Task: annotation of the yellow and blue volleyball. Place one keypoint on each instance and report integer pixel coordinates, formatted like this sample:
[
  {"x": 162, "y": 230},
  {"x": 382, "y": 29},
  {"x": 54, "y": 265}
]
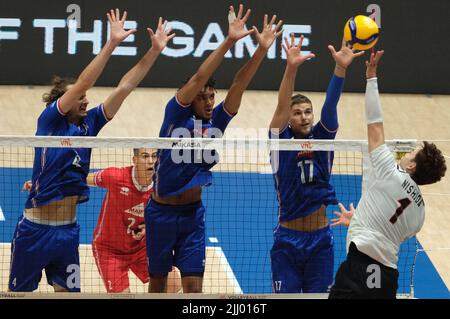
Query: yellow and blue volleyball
[{"x": 362, "y": 32}]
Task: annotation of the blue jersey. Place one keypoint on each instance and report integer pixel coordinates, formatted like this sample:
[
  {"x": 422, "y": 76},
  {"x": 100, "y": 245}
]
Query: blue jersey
[
  {"x": 302, "y": 179},
  {"x": 62, "y": 172},
  {"x": 179, "y": 170}
]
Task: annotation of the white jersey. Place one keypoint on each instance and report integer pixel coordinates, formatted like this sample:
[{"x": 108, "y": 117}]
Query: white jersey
[{"x": 390, "y": 211}]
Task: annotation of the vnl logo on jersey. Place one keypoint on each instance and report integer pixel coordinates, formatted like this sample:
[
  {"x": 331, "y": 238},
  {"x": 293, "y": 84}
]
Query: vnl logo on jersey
[{"x": 307, "y": 151}]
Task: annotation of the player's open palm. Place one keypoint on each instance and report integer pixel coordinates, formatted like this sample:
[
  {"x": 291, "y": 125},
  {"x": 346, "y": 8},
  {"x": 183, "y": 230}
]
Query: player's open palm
[
  {"x": 269, "y": 32},
  {"x": 161, "y": 37},
  {"x": 294, "y": 54},
  {"x": 236, "y": 27},
  {"x": 118, "y": 33},
  {"x": 344, "y": 216},
  {"x": 344, "y": 57},
  {"x": 371, "y": 66}
]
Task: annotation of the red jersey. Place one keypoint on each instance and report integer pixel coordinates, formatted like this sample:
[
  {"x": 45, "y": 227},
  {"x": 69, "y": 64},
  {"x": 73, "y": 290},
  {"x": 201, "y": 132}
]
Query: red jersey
[{"x": 122, "y": 210}]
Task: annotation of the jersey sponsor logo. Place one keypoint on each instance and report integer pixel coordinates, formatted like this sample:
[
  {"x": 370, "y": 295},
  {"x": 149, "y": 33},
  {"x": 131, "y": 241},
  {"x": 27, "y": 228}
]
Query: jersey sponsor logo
[
  {"x": 137, "y": 210},
  {"x": 124, "y": 191}
]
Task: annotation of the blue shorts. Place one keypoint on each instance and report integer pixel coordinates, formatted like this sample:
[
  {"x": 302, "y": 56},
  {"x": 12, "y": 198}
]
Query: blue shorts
[
  {"x": 36, "y": 247},
  {"x": 302, "y": 261},
  {"x": 175, "y": 236}
]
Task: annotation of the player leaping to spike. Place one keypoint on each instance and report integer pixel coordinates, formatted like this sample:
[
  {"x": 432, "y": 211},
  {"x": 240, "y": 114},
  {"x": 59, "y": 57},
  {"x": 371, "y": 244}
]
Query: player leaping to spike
[
  {"x": 175, "y": 215},
  {"x": 390, "y": 211},
  {"x": 47, "y": 235}
]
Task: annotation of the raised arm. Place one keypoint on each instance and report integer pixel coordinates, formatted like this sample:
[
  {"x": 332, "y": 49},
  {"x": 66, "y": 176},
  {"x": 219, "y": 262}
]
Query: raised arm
[
  {"x": 133, "y": 77},
  {"x": 343, "y": 58},
  {"x": 90, "y": 74},
  {"x": 374, "y": 114},
  {"x": 236, "y": 31},
  {"x": 294, "y": 59},
  {"x": 246, "y": 73}
]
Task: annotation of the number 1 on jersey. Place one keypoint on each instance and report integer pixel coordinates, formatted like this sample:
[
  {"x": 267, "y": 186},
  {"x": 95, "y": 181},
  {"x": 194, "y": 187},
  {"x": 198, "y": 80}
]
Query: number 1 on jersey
[
  {"x": 302, "y": 168},
  {"x": 404, "y": 202}
]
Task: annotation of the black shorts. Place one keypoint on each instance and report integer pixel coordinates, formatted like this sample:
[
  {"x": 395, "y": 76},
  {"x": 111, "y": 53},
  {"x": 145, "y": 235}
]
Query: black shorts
[{"x": 361, "y": 277}]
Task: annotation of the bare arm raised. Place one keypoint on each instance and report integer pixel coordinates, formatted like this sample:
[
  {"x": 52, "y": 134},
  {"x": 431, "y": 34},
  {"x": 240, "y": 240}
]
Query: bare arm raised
[
  {"x": 294, "y": 59},
  {"x": 247, "y": 72},
  {"x": 90, "y": 74},
  {"x": 132, "y": 78},
  {"x": 236, "y": 31}
]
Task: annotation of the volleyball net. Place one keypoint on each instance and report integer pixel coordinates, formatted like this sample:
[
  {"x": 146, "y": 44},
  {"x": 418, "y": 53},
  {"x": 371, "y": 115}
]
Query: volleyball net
[{"x": 241, "y": 204}]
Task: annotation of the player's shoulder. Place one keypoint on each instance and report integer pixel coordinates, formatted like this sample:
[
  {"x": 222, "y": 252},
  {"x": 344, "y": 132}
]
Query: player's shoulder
[{"x": 117, "y": 172}]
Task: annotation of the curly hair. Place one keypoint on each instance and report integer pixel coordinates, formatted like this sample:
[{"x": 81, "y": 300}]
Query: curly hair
[
  {"x": 430, "y": 165},
  {"x": 59, "y": 88}
]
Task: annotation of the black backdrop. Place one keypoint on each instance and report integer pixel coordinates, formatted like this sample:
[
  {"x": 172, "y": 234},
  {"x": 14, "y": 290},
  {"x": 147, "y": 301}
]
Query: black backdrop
[{"x": 414, "y": 35}]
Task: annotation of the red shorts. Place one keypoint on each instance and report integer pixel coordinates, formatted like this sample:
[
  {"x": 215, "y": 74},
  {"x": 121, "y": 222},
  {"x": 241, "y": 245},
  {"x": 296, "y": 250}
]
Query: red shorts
[{"x": 113, "y": 268}]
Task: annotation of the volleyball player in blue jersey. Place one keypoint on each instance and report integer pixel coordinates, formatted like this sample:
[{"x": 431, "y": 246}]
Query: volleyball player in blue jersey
[
  {"x": 47, "y": 235},
  {"x": 302, "y": 254},
  {"x": 175, "y": 216}
]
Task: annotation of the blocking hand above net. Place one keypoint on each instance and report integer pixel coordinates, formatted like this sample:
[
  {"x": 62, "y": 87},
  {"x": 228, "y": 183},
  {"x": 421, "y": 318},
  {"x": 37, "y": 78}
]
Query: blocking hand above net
[
  {"x": 52, "y": 202},
  {"x": 302, "y": 254},
  {"x": 178, "y": 178}
]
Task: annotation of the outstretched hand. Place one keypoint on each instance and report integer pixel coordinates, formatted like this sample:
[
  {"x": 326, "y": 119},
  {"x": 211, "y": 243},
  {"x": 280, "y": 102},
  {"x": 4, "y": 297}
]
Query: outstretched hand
[
  {"x": 236, "y": 28},
  {"x": 344, "y": 216},
  {"x": 371, "y": 66},
  {"x": 269, "y": 33},
  {"x": 344, "y": 57},
  {"x": 118, "y": 33},
  {"x": 294, "y": 52},
  {"x": 161, "y": 37}
]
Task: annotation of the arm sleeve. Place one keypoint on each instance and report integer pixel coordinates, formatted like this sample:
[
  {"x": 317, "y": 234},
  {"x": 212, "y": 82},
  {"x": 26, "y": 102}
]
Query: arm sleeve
[
  {"x": 328, "y": 117},
  {"x": 373, "y": 105},
  {"x": 96, "y": 119},
  {"x": 221, "y": 117},
  {"x": 106, "y": 177},
  {"x": 50, "y": 117},
  {"x": 383, "y": 162}
]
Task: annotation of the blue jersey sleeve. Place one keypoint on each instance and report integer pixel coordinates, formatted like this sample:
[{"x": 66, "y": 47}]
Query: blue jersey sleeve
[
  {"x": 221, "y": 117},
  {"x": 328, "y": 125},
  {"x": 96, "y": 119},
  {"x": 174, "y": 115},
  {"x": 50, "y": 118}
]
